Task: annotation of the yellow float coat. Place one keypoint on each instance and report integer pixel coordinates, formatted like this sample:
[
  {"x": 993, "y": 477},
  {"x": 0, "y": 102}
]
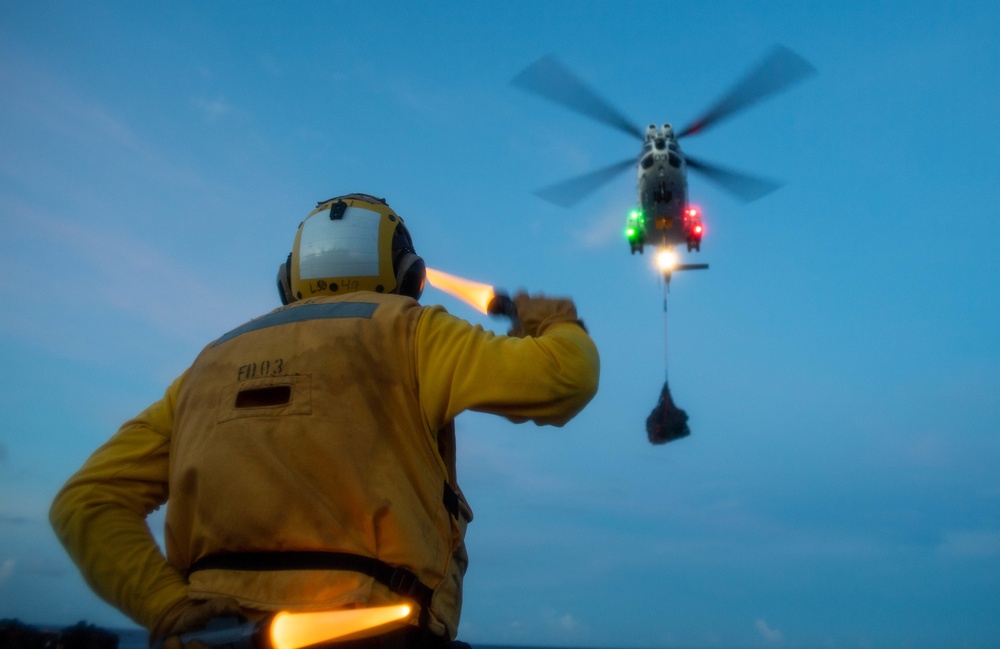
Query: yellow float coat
[{"x": 325, "y": 425}]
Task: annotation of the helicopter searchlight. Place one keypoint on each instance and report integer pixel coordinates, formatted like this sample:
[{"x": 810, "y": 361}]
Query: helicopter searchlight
[{"x": 666, "y": 260}]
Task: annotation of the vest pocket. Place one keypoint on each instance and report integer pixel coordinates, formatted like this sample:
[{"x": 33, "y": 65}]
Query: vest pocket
[
  {"x": 273, "y": 396},
  {"x": 265, "y": 397}
]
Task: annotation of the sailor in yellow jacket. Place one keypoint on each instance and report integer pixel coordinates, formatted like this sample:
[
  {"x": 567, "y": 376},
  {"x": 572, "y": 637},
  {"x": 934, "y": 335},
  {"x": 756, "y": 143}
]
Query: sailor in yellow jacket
[{"x": 307, "y": 458}]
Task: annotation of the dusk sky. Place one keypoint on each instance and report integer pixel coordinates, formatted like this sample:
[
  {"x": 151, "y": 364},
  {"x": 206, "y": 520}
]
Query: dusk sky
[{"x": 839, "y": 361}]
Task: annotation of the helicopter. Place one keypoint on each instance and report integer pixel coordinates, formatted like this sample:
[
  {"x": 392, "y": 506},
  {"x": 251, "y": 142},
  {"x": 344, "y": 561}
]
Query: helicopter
[{"x": 663, "y": 217}]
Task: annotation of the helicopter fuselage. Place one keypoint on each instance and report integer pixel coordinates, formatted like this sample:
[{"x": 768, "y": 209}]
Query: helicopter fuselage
[{"x": 664, "y": 218}]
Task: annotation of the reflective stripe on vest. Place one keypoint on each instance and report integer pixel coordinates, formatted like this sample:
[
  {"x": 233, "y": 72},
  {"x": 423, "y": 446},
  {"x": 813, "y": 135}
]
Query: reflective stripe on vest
[{"x": 301, "y": 314}]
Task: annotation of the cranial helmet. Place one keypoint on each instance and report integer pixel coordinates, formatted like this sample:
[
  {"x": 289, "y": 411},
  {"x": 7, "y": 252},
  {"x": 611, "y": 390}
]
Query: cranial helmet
[{"x": 351, "y": 243}]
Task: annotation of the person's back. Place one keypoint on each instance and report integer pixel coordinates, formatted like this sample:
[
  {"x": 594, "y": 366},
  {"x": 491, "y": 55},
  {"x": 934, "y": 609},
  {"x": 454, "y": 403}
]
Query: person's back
[
  {"x": 309, "y": 455},
  {"x": 315, "y": 412}
]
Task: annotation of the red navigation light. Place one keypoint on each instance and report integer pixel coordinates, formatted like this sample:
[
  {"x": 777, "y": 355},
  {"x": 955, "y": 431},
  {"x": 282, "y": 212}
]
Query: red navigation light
[
  {"x": 692, "y": 212},
  {"x": 698, "y": 229}
]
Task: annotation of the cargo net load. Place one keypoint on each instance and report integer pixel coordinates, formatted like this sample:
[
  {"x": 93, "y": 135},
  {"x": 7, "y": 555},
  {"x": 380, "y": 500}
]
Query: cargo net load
[{"x": 667, "y": 422}]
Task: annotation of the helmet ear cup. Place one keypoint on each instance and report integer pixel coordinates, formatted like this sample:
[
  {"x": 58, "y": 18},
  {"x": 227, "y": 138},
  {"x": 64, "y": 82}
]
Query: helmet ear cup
[
  {"x": 285, "y": 281},
  {"x": 411, "y": 273}
]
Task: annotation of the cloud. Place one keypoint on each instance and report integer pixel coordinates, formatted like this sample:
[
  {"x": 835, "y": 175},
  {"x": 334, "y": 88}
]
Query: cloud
[
  {"x": 929, "y": 451},
  {"x": 6, "y": 568},
  {"x": 213, "y": 109},
  {"x": 38, "y": 566},
  {"x": 37, "y": 98},
  {"x": 418, "y": 98},
  {"x": 556, "y": 627},
  {"x": 567, "y": 622},
  {"x": 771, "y": 636},
  {"x": 12, "y": 519},
  {"x": 971, "y": 545},
  {"x": 270, "y": 65},
  {"x": 52, "y": 126},
  {"x": 124, "y": 274},
  {"x": 601, "y": 231}
]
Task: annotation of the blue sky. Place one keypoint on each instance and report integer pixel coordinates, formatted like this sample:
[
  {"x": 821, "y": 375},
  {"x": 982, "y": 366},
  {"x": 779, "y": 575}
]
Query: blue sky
[{"x": 839, "y": 362}]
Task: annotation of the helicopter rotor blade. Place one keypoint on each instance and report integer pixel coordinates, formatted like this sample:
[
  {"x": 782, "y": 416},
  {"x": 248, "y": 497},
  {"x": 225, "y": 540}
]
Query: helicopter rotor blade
[
  {"x": 551, "y": 80},
  {"x": 570, "y": 192},
  {"x": 743, "y": 186},
  {"x": 778, "y": 70}
]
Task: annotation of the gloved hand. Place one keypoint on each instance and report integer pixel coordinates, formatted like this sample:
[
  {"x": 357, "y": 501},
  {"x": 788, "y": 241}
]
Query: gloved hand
[
  {"x": 191, "y": 615},
  {"x": 536, "y": 314}
]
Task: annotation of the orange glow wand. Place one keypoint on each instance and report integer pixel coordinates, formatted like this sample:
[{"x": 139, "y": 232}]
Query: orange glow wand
[
  {"x": 482, "y": 297},
  {"x": 287, "y": 630}
]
